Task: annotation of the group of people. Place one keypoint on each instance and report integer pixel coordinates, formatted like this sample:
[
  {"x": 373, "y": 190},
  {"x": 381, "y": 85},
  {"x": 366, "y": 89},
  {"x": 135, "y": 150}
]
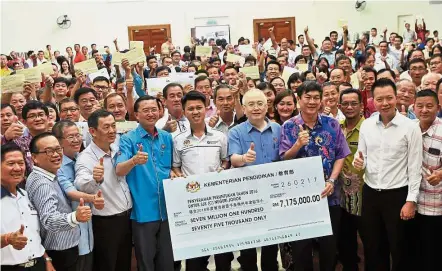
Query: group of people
[{"x": 79, "y": 191}]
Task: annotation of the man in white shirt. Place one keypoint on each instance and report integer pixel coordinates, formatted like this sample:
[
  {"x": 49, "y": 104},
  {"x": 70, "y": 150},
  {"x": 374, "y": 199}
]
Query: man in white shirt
[
  {"x": 390, "y": 152},
  {"x": 397, "y": 50},
  {"x": 374, "y": 39},
  {"x": 409, "y": 35},
  {"x": 384, "y": 60}
]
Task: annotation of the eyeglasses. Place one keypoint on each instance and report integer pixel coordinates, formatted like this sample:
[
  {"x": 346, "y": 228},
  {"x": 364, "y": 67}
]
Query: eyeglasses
[
  {"x": 150, "y": 110},
  {"x": 40, "y": 115},
  {"x": 72, "y": 137},
  {"x": 70, "y": 109},
  {"x": 435, "y": 63},
  {"x": 353, "y": 104},
  {"x": 417, "y": 69},
  {"x": 51, "y": 152},
  {"x": 258, "y": 104},
  {"x": 101, "y": 87}
]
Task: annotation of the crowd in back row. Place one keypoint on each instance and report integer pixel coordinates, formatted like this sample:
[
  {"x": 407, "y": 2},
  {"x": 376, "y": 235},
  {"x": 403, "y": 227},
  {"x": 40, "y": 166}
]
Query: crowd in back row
[{"x": 77, "y": 188}]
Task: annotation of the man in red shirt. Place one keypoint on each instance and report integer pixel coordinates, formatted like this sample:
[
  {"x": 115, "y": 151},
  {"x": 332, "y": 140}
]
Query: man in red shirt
[
  {"x": 420, "y": 31},
  {"x": 78, "y": 54}
]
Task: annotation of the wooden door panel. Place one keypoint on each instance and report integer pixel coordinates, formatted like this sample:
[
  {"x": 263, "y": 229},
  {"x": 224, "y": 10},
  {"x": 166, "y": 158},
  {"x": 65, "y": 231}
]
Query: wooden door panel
[
  {"x": 283, "y": 28},
  {"x": 151, "y": 35}
]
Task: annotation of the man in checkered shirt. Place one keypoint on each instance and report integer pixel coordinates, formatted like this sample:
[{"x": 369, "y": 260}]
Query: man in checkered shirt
[{"x": 429, "y": 203}]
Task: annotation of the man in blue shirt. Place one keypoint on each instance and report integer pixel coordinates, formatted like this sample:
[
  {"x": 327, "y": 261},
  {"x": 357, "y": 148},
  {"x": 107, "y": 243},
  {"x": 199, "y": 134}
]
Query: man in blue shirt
[
  {"x": 145, "y": 156},
  {"x": 255, "y": 142},
  {"x": 70, "y": 140}
]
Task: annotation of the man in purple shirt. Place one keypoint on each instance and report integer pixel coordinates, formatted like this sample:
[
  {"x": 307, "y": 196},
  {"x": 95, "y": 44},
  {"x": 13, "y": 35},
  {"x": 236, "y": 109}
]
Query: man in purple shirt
[{"x": 311, "y": 134}]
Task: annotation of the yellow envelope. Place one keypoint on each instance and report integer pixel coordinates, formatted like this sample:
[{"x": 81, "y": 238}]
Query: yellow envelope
[
  {"x": 32, "y": 75},
  {"x": 268, "y": 44},
  {"x": 156, "y": 85},
  {"x": 136, "y": 44},
  {"x": 287, "y": 72},
  {"x": 234, "y": 58},
  {"x": 252, "y": 72},
  {"x": 87, "y": 66},
  {"x": 302, "y": 67},
  {"x": 125, "y": 126},
  {"x": 134, "y": 56},
  {"x": 246, "y": 49},
  {"x": 117, "y": 57},
  {"x": 12, "y": 83},
  {"x": 46, "y": 68},
  {"x": 203, "y": 51},
  {"x": 342, "y": 22}
]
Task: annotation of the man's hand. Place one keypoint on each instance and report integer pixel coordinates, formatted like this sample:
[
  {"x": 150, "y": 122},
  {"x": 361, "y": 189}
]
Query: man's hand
[
  {"x": 435, "y": 178},
  {"x": 385, "y": 30},
  {"x": 187, "y": 88},
  {"x": 306, "y": 29},
  {"x": 359, "y": 161},
  {"x": 115, "y": 41},
  {"x": 242, "y": 84},
  {"x": 250, "y": 155},
  {"x": 214, "y": 119},
  {"x": 303, "y": 137},
  {"x": 403, "y": 111},
  {"x": 126, "y": 66},
  {"x": 271, "y": 29},
  {"x": 328, "y": 190},
  {"x": 174, "y": 175},
  {"x": 327, "y": 108},
  {"x": 141, "y": 157},
  {"x": 17, "y": 240},
  {"x": 98, "y": 200},
  {"x": 83, "y": 213},
  {"x": 49, "y": 81},
  {"x": 171, "y": 125},
  {"x": 14, "y": 131},
  {"x": 29, "y": 90},
  {"x": 408, "y": 210},
  {"x": 98, "y": 172}
]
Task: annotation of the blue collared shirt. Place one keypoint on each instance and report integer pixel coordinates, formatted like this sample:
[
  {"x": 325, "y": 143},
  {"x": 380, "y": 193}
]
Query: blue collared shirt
[
  {"x": 66, "y": 177},
  {"x": 146, "y": 181},
  {"x": 266, "y": 142}
]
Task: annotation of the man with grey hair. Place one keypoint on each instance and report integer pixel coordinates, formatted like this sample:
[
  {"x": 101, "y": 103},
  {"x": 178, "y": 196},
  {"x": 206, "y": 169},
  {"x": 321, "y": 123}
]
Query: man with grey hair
[
  {"x": 429, "y": 81},
  {"x": 406, "y": 91}
]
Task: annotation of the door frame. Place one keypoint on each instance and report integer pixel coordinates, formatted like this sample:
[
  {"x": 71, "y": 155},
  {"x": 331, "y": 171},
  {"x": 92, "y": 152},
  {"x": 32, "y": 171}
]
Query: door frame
[
  {"x": 146, "y": 27},
  {"x": 256, "y": 23}
]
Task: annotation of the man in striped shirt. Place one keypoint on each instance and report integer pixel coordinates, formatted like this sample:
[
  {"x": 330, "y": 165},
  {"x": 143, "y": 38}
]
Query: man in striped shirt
[
  {"x": 429, "y": 203},
  {"x": 59, "y": 224}
]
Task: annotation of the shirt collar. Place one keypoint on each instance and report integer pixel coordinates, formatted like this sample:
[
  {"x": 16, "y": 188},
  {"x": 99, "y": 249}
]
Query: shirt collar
[
  {"x": 207, "y": 131},
  {"x": 44, "y": 172},
  {"x": 222, "y": 121},
  {"x": 300, "y": 120},
  {"x": 430, "y": 131},
  {"x": 67, "y": 160},
  {"x": 357, "y": 127},
  {"x": 144, "y": 133},
  {"x": 5, "y": 192},
  {"x": 249, "y": 126},
  {"x": 99, "y": 152},
  {"x": 395, "y": 121}
]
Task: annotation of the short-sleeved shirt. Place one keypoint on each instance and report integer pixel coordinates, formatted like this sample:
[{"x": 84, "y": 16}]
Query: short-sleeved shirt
[
  {"x": 266, "y": 141},
  {"x": 199, "y": 155},
  {"x": 352, "y": 179},
  {"x": 326, "y": 140},
  {"x": 146, "y": 181}
]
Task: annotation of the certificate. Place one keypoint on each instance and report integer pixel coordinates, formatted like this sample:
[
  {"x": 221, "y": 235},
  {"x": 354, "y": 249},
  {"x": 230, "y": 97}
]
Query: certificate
[
  {"x": 136, "y": 44},
  {"x": 268, "y": 44},
  {"x": 203, "y": 51},
  {"x": 155, "y": 85},
  {"x": 101, "y": 72},
  {"x": 183, "y": 78},
  {"x": 12, "y": 83},
  {"x": 252, "y": 72},
  {"x": 46, "y": 68},
  {"x": 247, "y": 207},
  {"x": 302, "y": 67},
  {"x": 234, "y": 58},
  {"x": 287, "y": 72},
  {"x": 125, "y": 126},
  {"x": 87, "y": 66},
  {"x": 135, "y": 56},
  {"x": 32, "y": 75},
  {"x": 245, "y": 49},
  {"x": 117, "y": 57}
]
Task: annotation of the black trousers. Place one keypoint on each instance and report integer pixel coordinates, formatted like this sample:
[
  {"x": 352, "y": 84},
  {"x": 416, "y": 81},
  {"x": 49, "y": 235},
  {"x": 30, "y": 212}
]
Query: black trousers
[
  {"x": 64, "y": 259},
  {"x": 348, "y": 241},
  {"x": 302, "y": 250},
  {"x": 39, "y": 266},
  {"x": 269, "y": 259},
  {"x": 381, "y": 217},
  {"x": 223, "y": 262},
  {"x": 112, "y": 242},
  {"x": 430, "y": 242}
]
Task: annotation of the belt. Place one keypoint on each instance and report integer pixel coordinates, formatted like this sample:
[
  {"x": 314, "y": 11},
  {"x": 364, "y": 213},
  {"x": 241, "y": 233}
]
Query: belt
[
  {"x": 125, "y": 213},
  {"x": 29, "y": 263},
  {"x": 388, "y": 190}
]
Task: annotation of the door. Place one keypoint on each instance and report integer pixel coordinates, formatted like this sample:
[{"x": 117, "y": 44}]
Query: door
[
  {"x": 402, "y": 20},
  {"x": 151, "y": 35},
  {"x": 284, "y": 28}
]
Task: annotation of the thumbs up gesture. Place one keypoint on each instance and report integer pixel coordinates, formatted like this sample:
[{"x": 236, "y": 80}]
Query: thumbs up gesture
[
  {"x": 303, "y": 137},
  {"x": 141, "y": 157},
  {"x": 83, "y": 213},
  {"x": 327, "y": 108},
  {"x": 403, "y": 110},
  {"x": 358, "y": 162},
  {"x": 17, "y": 240},
  {"x": 98, "y": 172},
  {"x": 214, "y": 119},
  {"x": 250, "y": 155},
  {"x": 171, "y": 125},
  {"x": 98, "y": 200},
  {"x": 14, "y": 131}
]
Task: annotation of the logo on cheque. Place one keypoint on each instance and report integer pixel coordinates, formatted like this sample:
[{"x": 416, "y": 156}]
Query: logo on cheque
[{"x": 193, "y": 187}]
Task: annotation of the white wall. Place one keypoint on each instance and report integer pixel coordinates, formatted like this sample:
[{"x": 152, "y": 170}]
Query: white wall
[{"x": 32, "y": 25}]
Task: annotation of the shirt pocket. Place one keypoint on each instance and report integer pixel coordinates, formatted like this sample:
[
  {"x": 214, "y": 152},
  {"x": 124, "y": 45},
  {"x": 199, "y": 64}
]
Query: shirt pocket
[
  {"x": 164, "y": 155},
  {"x": 395, "y": 150}
]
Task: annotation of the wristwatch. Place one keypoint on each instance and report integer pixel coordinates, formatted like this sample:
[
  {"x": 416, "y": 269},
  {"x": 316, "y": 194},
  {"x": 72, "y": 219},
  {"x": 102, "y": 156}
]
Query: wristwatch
[
  {"x": 332, "y": 181},
  {"x": 48, "y": 259}
]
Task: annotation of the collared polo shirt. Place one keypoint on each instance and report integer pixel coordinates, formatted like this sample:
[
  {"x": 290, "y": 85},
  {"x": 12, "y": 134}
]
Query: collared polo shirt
[
  {"x": 18, "y": 210},
  {"x": 326, "y": 140},
  {"x": 266, "y": 141},
  {"x": 352, "y": 179},
  {"x": 146, "y": 181},
  {"x": 199, "y": 155},
  {"x": 221, "y": 125},
  {"x": 66, "y": 177}
]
